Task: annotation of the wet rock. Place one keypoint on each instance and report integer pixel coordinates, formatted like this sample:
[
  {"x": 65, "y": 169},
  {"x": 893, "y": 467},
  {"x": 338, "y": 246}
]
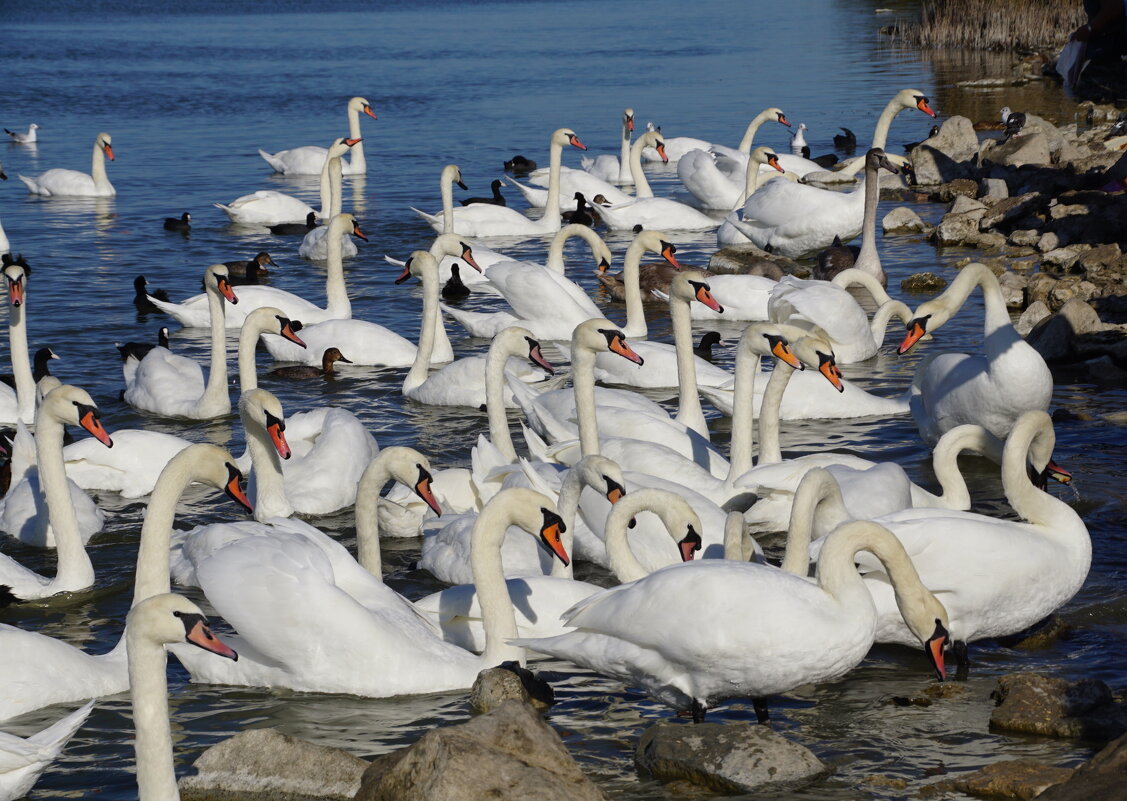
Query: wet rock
[
  {"x": 509, "y": 754},
  {"x": 960, "y": 223},
  {"x": 923, "y": 283},
  {"x": 902, "y": 220},
  {"x": 960, "y": 187},
  {"x": 1021, "y": 779},
  {"x": 1020, "y": 151},
  {"x": 964, "y": 204},
  {"x": 1037, "y": 311},
  {"x": 947, "y": 155},
  {"x": 742, "y": 259},
  {"x": 1013, "y": 289},
  {"x": 726, "y": 757},
  {"x": 496, "y": 685},
  {"x": 264, "y": 763},
  {"x": 1006, "y": 212},
  {"x": 1102, "y": 778},
  {"x": 983, "y": 240},
  {"x": 1034, "y": 703},
  {"x": 993, "y": 189},
  {"x": 1048, "y": 633},
  {"x": 1055, "y": 337}
]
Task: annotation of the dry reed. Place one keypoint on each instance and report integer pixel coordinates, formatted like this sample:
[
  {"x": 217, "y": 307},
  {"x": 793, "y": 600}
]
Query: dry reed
[{"x": 993, "y": 24}]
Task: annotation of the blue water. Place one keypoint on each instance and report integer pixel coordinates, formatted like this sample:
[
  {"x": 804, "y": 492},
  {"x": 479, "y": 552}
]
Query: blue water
[{"x": 189, "y": 94}]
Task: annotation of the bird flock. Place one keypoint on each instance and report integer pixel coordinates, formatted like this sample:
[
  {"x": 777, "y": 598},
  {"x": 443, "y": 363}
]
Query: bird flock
[{"x": 694, "y": 614}]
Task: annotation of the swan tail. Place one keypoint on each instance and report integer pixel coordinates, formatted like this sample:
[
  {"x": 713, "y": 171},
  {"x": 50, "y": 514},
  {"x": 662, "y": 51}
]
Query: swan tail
[
  {"x": 537, "y": 448},
  {"x": 55, "y": 737},
  {"x": 525, "y": 398},
  {"x": 485, "y": 460},
  {"x": 394, "y": 261},
  {"x": 532, "y": 195},
  {"x": 272, "y": 161},
  {"x": 32, "y": 185}
]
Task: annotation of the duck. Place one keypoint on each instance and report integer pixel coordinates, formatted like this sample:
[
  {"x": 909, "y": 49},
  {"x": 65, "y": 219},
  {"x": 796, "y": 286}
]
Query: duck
[
  {"x": 834, "y": 259},
  {"x": 304, "y": 371},
  {"x": 371, "y": 343},
  {"x": 614, "y": 169},
  {"x": 141, "y": 296},
  {"x": 56, "y": 516},
  {"x": 816, "y": 631},
  {"x": 17, "y": 404},
  {"x": 580, "y": 216},
  {"x": 793, "y": 219},
  {"x": 846, "y": 140},
  {"x": 993, "y": 388},
  {"x": 76, "y": 675},
  {"x": 296, "y": 229},
  {"x": 41, "y": 367},
  {"x": 485, "y": 220},
  {"x": 252, "y": 269},
  {"x": 713, "y": 189},
  {"x": 29, "y": 138},
  {"x": 71, "y": 183},
  {"x": 24, "y": 760},
  {"x": 314, "y": 245},
  {"x": 454, "y": 289},
  {"x": 183, "y": 223},
  {"x": 309, "y": 159},
  {"x": 708, "y": 341},
  {"x": 519, "y": 164},
  {"x": 497, "y": 199},
  {"x": 195, "y": 311}
]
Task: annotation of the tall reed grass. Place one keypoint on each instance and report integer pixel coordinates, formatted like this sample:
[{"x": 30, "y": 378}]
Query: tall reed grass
[{"x": 993, "y": 24}]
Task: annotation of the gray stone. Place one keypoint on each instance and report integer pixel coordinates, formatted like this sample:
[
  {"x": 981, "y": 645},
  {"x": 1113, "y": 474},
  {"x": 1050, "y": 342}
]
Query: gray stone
[
  {"x": 1101, "y": 256},
  {"x": 1008, "y": 211},
  {"x": 1065, "y": 257},
  {"x": 1048, "y": 242},
  {"x": 746, "y": 258},
  {"x": 923, "y": 283},
  {"x": 956, "y": 228},
  {"x": 1039, "y": 126},
  {"x": 1102, "y": 778},
  {"x": 1053, "y": 338},
  {"x": 262, "y": 764},
  {"x": 1013, "y": 289},
  {"x": 963, "y": 204},
  {"x": 993, "y": 189},
  {"x": 1024, "y": 237},
  {"x": 726, "y": 757},
  {"x": 1034, "y": 703},
  {"x": 947, "y": 155},
  {"x": 1022, "y": 150},
  {"x": 1020, "y": 779},
  {"x": 509, "y": 754},
  {"x": 945, "y": 193},
  {"x": 902, "y": 220},
  {"x": 494, "y": 686},
  {"x": 1037, "y": 311}
]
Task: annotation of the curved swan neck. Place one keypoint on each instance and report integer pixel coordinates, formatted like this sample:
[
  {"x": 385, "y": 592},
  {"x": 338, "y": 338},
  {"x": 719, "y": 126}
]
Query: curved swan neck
[
  {"x": 868, "y": 260},
  {"x": 753, "y": 128},
  {"x": 1032, "y": 439},
  {"x": 248, "y": 364},
  {"x": 770, "y": 449},
  {"x": 337, "y": 305},
  {"x": 623, "y": 563},
  {"x": 375, "y": 476},
  {"x": 156, "y": 776},
  {"x": 356, "y": 152},
  {"x": 870, "y": 283},
  {"x": 880, "y": 134},
  {"x": 568, "y": 505},
  {"x": 743, "y": 412},
  {"x": 74, "y": 566},
  {"x": 689, "y": 409},
  {"x": 215, "y": 395},
  {"x": 98, "y": 165},
  {"x": 878, "y": 326},
  {"x": 945, "y": 461},
  {"x": 420, "y": 368},
  {"x": 269, "y": 482},
  {"x": 636, "y": 326},
  {"x": 641, "y": 185},
  {"x": 752, "y": 179},
  {"x": 21, "y": 363},
  {"x": 816, "y": 501},
  {"x": 556, "y": 249}
]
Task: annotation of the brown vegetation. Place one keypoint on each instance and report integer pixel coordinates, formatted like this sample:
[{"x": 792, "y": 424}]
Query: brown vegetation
[{"x": 993, "y": 24}]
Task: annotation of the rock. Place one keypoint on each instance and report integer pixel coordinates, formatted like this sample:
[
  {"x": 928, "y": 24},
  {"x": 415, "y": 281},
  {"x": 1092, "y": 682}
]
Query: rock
[
  {"x": 923, "y": 283},
  {"x": 1038, "y": 126},
  {"x": 264, "y": 763},
  {"x": 993, "y": 189},
  {"x": 493, "y": 686},
  {"x": 1037, "y": 311},
  {"x": 957, "y": 227},
  {"x": 963, "y": 204},
  {"x": 1034, "y": 703},
  {"x": 947, "y": 155},
  {"x": 1102, "y": 778},
  {"x": 1006, "y": 212},
  {"x": 1013, "y": 289},
  {"x": 740, "y": 259},
  {"x": 1021, "y": 779},
  {"x": 1020, "y": 151},
  {"x": 1101, "y": 256},
  {"x": 1063, "y": 258},
  {"x": 725, "y": 757},
  {"x": 1023, "y": 237},
  {"x": 1051, "y": 630},
  {"x": 902, "y": 220},
  {"x": 509, "y": 754},
  {"x": 960, "y": 187},
  {"x": 1048, "y": 242}
]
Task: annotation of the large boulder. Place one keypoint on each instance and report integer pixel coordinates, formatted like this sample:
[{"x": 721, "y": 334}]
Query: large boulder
[
  {"x": 726, "y": 757},
  {"x": 509, "y": 754},
  {"x": 1033, "y": 703},
  {"x": 266, "y": 764},
  {"x": 903, "y": 220},
  {"x": 947, "y": 155},
  {"x": 1103, "y": 778},
  {"x": 1020, "y": 151},
  {"x": 960, "y": 224}
]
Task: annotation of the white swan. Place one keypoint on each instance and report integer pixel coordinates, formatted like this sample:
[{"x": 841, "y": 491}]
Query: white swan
[
  {"x": 685, "y": 635},
  {"x": 992, "y": 389},
  {"x": 615, "y": 169},
  {"x": 1021, "y": 572},
  {"x": 23, "y": 761},
  {"x": 39, "y": 670},
  {"x": 64, "y": 404},
  {"x": 130, "y": 468},
  {"x": 313, "y": 245},
  {"x": 719, "y": 161},
  {"x": 483, "y": 219},
  {"x": 173, "y": 386},
  {"x": 794, "y": 219},
  {"x": 151, "y": 625},
  {"x": 308, "y": 160},
  {"x": 195, "y": 311},
  {"x": 335, "y": 637},
  {"x": 266, "y": 207},
  {"x": 713, "y": 189},
  {"x": 17, "y": 405},
  {"x": 72, "y": 183}
]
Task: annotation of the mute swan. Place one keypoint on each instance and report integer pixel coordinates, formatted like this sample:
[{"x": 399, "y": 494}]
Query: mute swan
[
  {"x": 867, "y": 260},
  {"x": 308, "y": 160},
  {"x": 794, "y": 219},
  {"x": 130, "y": 468},
  {"x": 713, "y": 189},
  {"x": 22, "y": 761},
  {"x": 71, "y": 183},
  {"x": 684, "y": 634},
  {"x": 371, "y": 343},
  {"x": 19, "y": 404},
  {"x": 24, "y": 139},
  {"x": 996, "y": 577},
  {"x": 992, "y": 389},
  {"x": 172, "y": 385},
  {"x": 195, "y": 311},
  {"x": 487, "y": 220},
  {"x": 541, "y": 599},
  {"x": 732, "y": 162},
  {"x": 266, "y": 207},
  {"x": 341, "y": 635},
  {"x": 653, "y": 212},
  {"x": 614, "y": 169},
  {"x": 314, "y": 246},
  {"x": 39, "y": 670},
  {"x": 62, "y": 405}
]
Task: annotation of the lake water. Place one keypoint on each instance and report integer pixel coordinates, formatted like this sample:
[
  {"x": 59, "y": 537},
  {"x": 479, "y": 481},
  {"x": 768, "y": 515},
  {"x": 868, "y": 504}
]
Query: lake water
[{"x": 189, "y": 95}]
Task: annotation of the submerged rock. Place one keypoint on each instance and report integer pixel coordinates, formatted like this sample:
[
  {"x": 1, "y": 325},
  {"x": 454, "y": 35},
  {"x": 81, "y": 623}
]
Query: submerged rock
[
  {"x": 1021, "y": 779},
  {"x": 1102, "y": 778},
  {"x": 1034, "y": 703},
  {"x": 923, "y": 283},
  {"x": 510, "y": 681},
  {"x": 726, "y": 757}
]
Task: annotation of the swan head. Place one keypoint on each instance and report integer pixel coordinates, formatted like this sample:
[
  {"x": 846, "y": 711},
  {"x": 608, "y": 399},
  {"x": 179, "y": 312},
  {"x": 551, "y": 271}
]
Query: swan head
[
  {"x": 814, "y": 349},
  {"x": 169, "y": 618},
  {"x": 772, "y": 339},
  {"x": 452, "y": 174},
  {"x": 653, "y": 242},
  {"x": 105, "y": 142},
  {"x": 361, "y": 105},
  {"x": 603, "y": 475},
  {"x": 411, "y": 468},
  {"x": 877, "y": 159},
  {"x": 15, "y": 274},
  {"x": 690, "y": 285},
  {"x": 765, "y": 155},
  {"x": 454, "y": 245},
  {"x": 339, "y": 147},
  {"x": 420, "y": 264},
  {"x": 270, "y": 320},
  {"x": 655, "y": 140},
  {"x": 599, "y": 335},
  {"x": 777, "y": 113},
  {"x": 914, "y": 98},
  {"x": 566, "y": 136},
  {"x": 217, "y": 278},
  {"x": 71, "y": 405},
  {"x": 676, "y": 515},
  {"x": 261, "y": 409},
  {"x": 346, "y": 224},
  {"x": 518, "y": 341},
  {"x": 628, "y": 119}
]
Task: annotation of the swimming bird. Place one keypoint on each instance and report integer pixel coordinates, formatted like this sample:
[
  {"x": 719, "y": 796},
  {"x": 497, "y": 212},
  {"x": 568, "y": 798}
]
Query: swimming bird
[
  {"x": 295, "y": 229},
  {"x": 302, "y": 371},
  {"x": 454, "y": 289},
  {"x": 141, "y": 295},
  {"x": 846, "y": 140},
  {"x": 309, "y": 159},
  {"x": 497, "y": 200},
  {"x": 71, "y": 183},
  {"x": 183, "y": 223},
  {"x": 24, "y": 138}
]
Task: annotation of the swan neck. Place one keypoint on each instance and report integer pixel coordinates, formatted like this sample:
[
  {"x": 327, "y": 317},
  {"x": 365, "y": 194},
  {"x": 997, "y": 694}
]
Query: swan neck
[
  {"x": 1056, "y": 518},
  {"x": 636, "y": 326},
  {"x": 868, "y": 260},
  {"x": 752, "y": 129},
  {"x": 689, "y": 409},
  {"x": 269, "y": 482},
  {"x": 743, "y": 413},
  {"x": 446, "y": 187},
  {"x": 248, "y": 363},
  {"x": 583, "y": 385},
  {"x": 817, "y": 501},
  {"x": 98, "y": 166},
  {"x": 21, "y": 363},
  {"x": 156, "y": 532},
  {"x": 215, "y": 395},
  {"x": 499, "y": 434},
  {"x": 552, "y": 206},
  {"x": 623, "y": 155},
  {"x": 356, "y": 158},
  {"x": 753, "y": 177},
  {"x": 884, "y": 314},
  {"x": 156, "y": 776},
  {"x": 498, "y": 617},
  {"x": 375, "y": 476},
  {"x": 420, "y": 368},
  {"x": 770, "y": 449},
  {"x": 568, "y": 506},
  {"x": 641, "y": 185},
  {"x": 623, "y": 563},
  {"x": 326, "y": 191},
  {"x": 74, "y": 567},
  {"x": 884, "y": 122},
  {"x": 337, "y": 305}
]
